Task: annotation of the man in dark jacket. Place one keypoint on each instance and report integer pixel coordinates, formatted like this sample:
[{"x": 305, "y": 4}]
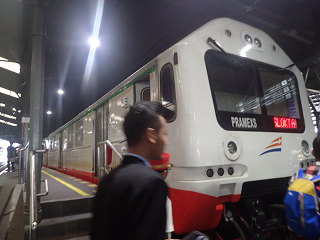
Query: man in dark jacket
[{"x": 131, "y": 200}]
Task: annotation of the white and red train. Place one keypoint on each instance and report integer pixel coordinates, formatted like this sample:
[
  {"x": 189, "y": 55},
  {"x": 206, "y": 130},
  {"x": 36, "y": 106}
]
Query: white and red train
[{"x": 238, "y": 118}]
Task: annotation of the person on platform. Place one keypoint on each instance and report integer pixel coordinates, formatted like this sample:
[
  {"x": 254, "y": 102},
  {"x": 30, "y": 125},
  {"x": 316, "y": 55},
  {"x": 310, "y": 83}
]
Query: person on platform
[
  {"x": 312, "y": 170},
  {"x": 163, "y": 167},
  {"x": 11, "y": 155},
  {"x": 130, "y": 203}
]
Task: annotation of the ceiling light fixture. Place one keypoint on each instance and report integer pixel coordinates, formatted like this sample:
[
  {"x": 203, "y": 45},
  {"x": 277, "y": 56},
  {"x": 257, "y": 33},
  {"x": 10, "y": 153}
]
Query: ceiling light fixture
[{"x": 94, "y": 42}]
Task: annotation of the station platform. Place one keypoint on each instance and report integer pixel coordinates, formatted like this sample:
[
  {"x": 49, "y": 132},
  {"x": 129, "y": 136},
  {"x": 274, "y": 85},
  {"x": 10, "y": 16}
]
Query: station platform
[
  {"x": 63, "y": 186},
  {"x": 66, "y": 210}
]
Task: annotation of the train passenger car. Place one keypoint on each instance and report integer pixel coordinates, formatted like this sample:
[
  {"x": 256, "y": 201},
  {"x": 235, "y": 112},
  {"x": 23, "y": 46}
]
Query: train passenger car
[{"x": 238, "y": 119}]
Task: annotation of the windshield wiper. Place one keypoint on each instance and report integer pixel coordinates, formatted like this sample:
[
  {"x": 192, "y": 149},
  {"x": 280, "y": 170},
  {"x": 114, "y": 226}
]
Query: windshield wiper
[
  {"x": 214, "y": 42},
  {"x": 282, "y": 69}
]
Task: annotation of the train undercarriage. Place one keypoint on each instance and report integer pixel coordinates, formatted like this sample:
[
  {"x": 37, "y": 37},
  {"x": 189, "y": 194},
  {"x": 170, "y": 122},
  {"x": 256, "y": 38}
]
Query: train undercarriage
[{"x": 258, "y": 215}]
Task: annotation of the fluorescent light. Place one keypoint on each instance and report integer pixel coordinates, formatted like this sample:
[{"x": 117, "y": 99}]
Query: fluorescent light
[
  {"x": 12, "y": 124},
  {"x": 7, "y": 116},
  {"x": 11, "y": 66},
  {"x": 8, "y": 123},
  {"x": 49, "y": 112},
  {"x": 9, "y": 93},
  {"x": 60, "y": 91}
]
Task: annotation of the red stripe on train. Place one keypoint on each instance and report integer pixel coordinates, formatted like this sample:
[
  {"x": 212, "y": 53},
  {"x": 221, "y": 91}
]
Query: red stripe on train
[
  {"x": 86, "y": 176},
  {"x": 196, "y": 211}
]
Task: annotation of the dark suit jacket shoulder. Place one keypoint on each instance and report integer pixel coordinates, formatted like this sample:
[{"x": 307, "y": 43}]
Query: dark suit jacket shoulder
[{"x": 130, "y": 203}]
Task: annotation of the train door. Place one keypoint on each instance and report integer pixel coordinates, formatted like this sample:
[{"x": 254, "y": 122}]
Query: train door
[{"x": 60, "y": 149}]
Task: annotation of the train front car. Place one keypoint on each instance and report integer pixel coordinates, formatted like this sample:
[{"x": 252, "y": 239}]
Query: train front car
[{"x": 240, "y": 124}]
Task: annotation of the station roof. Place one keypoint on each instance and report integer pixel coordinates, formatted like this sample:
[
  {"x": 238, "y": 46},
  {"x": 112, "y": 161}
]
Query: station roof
[
  {"x": 132, "y": 33},
  {"x": 12, "y": 51}
]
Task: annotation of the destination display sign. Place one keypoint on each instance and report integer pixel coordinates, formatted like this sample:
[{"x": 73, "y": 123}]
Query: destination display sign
[{"x": 280, "y": 122}]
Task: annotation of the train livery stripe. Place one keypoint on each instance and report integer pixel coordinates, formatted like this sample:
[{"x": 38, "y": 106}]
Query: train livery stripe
[
  {"x": 272, "y": 150},
  {"x": 77, "y": 190}
]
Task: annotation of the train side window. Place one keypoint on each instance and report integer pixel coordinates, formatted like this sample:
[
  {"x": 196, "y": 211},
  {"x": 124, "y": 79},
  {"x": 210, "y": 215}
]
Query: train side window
[
  {"x": 56, "y": 146},
  {"x": 168, "y": 93},
  {"x": 70, "y": 137},
  {"x": 142, "y": 89},
  {"x": 145, "y": 94},
  {"x": 79, "y": 133}
]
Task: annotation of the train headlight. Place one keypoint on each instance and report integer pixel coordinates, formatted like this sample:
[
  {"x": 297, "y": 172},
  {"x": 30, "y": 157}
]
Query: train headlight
[
  {"x": 232, "y": 148},
  {"x": 230, "y": 171},
  {"x": 210, "y": 172},
  {"x": 248, "y": 39},
  {"x": 257, "y": 42},
  {"x": 228, "y": 33},
  {"x": 274, "y": 48},
  {"x": 305, "y": 148},
  {"x": 220, "y": 172}
]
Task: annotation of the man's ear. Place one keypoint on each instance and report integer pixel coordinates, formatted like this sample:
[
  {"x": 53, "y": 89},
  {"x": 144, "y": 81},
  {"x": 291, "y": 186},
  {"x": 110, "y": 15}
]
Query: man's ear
[{"x": 151, "y": 135}]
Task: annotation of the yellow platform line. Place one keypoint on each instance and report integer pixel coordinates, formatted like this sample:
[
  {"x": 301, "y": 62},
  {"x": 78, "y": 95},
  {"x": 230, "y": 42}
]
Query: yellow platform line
[{"x": 77, "y": 190}]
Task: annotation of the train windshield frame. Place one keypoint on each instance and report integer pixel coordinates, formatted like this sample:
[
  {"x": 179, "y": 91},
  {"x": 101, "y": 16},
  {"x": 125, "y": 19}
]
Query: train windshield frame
[{"x": 253, "y": 96}]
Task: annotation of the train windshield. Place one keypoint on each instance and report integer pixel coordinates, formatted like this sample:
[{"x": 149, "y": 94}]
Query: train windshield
[{"x": 253, "y": 96}]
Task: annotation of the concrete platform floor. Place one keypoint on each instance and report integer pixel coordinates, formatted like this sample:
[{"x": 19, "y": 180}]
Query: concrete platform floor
[
  {"x": 64, "y": 186},
  {"x": 60, "y": 185}
]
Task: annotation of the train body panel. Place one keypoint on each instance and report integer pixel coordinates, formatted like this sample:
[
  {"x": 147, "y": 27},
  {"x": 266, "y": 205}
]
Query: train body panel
[{"x": 237, "y": 114}]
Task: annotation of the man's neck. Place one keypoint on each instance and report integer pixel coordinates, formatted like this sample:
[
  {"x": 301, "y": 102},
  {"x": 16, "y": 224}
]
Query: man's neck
[{"x": 139, "y": 151}]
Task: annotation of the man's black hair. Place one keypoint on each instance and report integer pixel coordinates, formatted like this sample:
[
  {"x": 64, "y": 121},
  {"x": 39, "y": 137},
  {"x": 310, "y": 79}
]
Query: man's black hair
[
  {"x": 316, "y": 147},
  {"x": 142, "y": 115}
]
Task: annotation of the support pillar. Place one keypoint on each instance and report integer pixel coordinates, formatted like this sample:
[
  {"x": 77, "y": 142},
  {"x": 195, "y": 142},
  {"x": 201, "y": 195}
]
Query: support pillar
[{"x": 36, "y": 98}]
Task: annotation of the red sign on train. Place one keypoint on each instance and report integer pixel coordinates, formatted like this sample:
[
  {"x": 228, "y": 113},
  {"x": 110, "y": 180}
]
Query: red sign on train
[{"x": 285, "y": 122}]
